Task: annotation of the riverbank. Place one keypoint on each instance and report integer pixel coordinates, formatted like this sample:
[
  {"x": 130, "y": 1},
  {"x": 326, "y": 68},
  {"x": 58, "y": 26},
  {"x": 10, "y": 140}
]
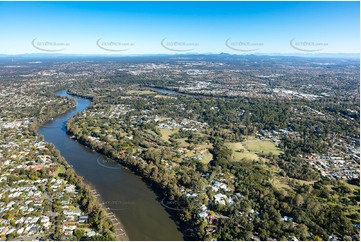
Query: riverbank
[
  {"x": 154, "y": 186},
  {"x": 119, "y": 228}
]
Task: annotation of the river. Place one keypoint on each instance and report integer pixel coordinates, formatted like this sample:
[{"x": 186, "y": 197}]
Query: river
[
  {"x": 164, "y": 91},
  {"x": 124, "y": 193}
]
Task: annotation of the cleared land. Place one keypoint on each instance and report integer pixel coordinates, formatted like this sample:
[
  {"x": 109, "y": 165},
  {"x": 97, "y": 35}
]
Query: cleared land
[
  {"x": 240, "y": 152},
  {"x": 183, "y": 142},
  {"x": 140, "y": 92},
  {"x": 261, "y": 146},
  {"x": 202, "y": 149},
  {"x": 207, "y": 158},
  {"x": 167, "y": 132}
]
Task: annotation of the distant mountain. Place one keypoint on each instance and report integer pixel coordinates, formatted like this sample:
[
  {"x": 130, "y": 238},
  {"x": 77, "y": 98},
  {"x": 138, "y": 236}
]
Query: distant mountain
[{"x": 222, "y": 54}]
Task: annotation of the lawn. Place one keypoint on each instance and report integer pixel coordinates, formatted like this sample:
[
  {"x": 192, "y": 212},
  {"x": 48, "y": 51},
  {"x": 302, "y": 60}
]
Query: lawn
[
  {"x": 167, "y": 132},
  {"x": 164, "y": 96},
  {"x": 280, "y": 183},
  {"x": 259, "y": 146},
  {"x": 162, "y": 118},
  {"x": 60, "y": 170},
  {"x": 203, "y": 146},
  {"x": 141, "y": 92},
  {"x": 207, "y": 158},
  {"x": 183, "y": 142},
  {"x": 352, "y": 187},
  {"x": 240, "y": 152}
]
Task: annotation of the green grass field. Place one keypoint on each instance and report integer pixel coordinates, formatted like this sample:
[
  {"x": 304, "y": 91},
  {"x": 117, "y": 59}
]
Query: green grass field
[
  {"x": 162, "y": 118},
  {"x": 352, "y": 187},
  {"x": 141, "y": 92},
  {"x": 207, "y": 158},
  {"x": 251, "y": 148},
  {"x": 183, "y": 142},
  {"x": 60, "y": 170},
  {"x": 258, "y": 146},
  {"x": 280, "y": 183},
  {"x": 240, "y": 152},
  {"x": 167, "y": 132},
  {"x": 164, "y": 96}
]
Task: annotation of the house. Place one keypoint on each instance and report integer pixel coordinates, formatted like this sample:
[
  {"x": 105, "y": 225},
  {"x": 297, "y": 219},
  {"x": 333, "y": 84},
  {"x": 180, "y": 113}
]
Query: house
[
  {"x": 28, "y": 227},
  {"x": 10, "y": 204},
  {"x": 69, "y": 218},
  {"x": 192, "y": 195},
  {"x": 293, "y": 238},
  {"x": 20, "y": 231},
  {"x": 230, "y": 201},
  {"x": 4, "y": 231},
  {"x": 70, "y": 189},
  {"x": 21, "y": 220},
  {"x": 28, "y": 219},
  {"x": 33, "y": 229},
  {"x": 10, "y": 231},
  {"x": 72, "y": 227},
  {"x": 334, "y": 238},
  {"x": 3, "y": 178},
  {"x": 239, "y": 195},
  {"x": 182, "y": 150},
  {"x": 287, "y": 219},
  {"x": 34, "y": 167},
  {"x": 68, "y": 232},
  {"x": 83, "y": 219},
  {"x": 70, "y": 223},
  {"x": 24, "y": 208},
  {"x": 72, "y": 212},
  {"x": 219, "y": 185},
  {"x": 90, "y": 233},
  {"x": 39, "y": 200},
  {"x": 34, "y": 220},
  {"x": 220, "y": 198},
  {"x": 203, "y": 214}
]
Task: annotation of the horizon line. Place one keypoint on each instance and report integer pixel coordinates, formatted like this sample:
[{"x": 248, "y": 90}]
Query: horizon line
[
  {"x": 193, "y": 53},
  {"x": 344, "y": 55}
]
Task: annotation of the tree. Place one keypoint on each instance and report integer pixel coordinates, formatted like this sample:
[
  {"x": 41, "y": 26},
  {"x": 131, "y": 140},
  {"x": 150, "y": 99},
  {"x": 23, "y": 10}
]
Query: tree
[
  {"x": 317, "y": 238},
  {"x": 79, "y": 233}
]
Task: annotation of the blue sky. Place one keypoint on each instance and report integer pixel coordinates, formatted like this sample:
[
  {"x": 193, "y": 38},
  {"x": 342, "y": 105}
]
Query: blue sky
[{"x": 201, "y": 27}]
